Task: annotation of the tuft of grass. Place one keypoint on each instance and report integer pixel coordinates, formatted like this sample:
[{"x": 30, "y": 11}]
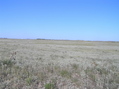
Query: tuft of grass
[
  {"x": 75, "y": 66},
  {"x": 117, "y": 78},
  {"x": 8, "y": 63},
  {"x": 65, "y": 73},
  {"x": 49, "y": 86},
  {"x": 102, "y": 71},
  {"x": 90, "y": 73},
  {"x": 42, "y": 76},
  {"x": 29, "y": 80}
]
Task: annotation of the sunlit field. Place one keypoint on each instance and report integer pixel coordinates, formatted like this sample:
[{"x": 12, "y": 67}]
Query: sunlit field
[{"x": 58, "y": 64}]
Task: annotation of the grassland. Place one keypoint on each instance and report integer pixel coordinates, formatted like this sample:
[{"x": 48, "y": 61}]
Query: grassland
[{"x": 58, "y": 64}]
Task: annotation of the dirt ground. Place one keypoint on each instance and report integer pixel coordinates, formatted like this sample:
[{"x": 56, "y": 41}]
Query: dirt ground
[{"x": 58, "y": 64}]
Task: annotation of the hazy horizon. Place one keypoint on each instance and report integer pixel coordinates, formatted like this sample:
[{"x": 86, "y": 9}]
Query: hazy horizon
[{"x": 90, "y": 20}]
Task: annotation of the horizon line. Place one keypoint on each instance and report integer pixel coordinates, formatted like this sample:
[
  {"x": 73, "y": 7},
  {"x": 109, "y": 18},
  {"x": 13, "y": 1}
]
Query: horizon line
[{"x": 54, "y": 39}]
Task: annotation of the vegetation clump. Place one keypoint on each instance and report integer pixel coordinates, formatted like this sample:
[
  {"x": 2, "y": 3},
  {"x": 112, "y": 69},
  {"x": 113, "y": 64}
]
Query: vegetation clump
[
  {"x": 65, "y": 73},
  {"x": 29, "y": 80},
  {"x": 8, "y": 63},
  {"x": 49, "y": 86}
]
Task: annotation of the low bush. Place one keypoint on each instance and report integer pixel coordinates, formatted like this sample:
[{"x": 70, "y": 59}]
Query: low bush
[
  {"x": 8, "y": 63},
  {"x": 49, "y": 86}
]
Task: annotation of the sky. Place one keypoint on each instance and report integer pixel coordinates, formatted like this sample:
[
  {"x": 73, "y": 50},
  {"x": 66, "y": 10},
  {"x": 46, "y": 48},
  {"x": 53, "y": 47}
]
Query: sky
[{"x": 95, "y": 20}]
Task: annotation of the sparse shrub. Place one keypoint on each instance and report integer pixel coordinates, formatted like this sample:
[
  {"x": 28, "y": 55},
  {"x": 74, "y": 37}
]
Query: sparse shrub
[
  {"x": 102, "y": 71},
  {"x": 49, "y": 86},
  {"x": 8, "y": 63},
  {"x": 90, "y": 72},
  {"x": 29, "y": 80},
  {"x": 0, "y": 64},
  {"x": 75, "y": 66},
  {"x": 117, "y": 78},
  {"x": 75, "y": 80},
  {"x": 42, "y": 76},
  {"x": 65, "y": 73}
]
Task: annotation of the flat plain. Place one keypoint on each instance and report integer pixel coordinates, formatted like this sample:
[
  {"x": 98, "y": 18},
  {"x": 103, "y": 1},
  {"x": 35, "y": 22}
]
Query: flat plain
[{"x": 58, "y": 64}]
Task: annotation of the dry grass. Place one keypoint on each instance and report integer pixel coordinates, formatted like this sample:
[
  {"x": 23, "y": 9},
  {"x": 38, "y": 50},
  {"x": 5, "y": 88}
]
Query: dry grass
[{"x": 50, "y": 64}]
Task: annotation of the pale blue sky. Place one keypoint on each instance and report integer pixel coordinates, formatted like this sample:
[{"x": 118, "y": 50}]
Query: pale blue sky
[{"x": 60, "y": 19}]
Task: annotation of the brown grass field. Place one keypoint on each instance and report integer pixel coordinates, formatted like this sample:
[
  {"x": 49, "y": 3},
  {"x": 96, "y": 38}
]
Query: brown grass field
[{"x": 58, "y": 64}]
